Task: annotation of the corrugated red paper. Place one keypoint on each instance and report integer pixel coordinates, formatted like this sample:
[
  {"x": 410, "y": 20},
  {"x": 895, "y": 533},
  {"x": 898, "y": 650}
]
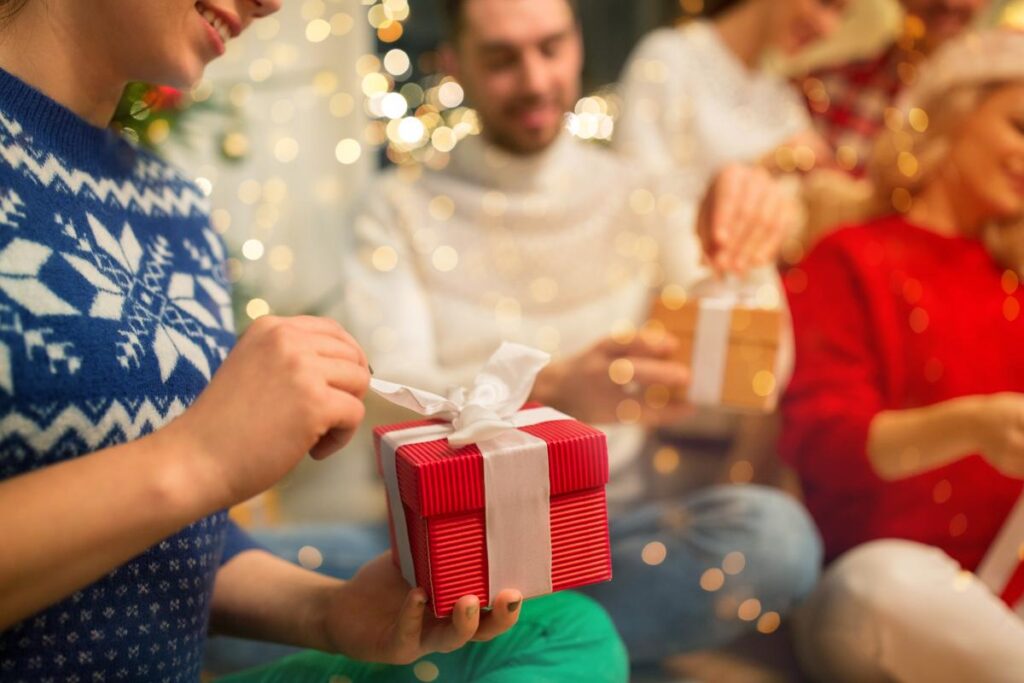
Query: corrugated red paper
[{"x": 442, "y": 490}]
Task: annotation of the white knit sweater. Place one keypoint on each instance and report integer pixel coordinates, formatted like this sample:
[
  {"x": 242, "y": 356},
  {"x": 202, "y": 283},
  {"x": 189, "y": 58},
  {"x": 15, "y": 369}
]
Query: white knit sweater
[
  {"x": 690, "y": 105},
  {"x": 556, "y": 250}
]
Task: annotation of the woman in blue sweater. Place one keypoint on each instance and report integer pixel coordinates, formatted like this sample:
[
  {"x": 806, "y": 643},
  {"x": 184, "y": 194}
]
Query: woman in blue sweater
[{"x": 130, "y": 419}]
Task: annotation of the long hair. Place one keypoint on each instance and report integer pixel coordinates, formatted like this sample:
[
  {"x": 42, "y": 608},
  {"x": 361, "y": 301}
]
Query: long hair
[{"x": 904, "y": 159}]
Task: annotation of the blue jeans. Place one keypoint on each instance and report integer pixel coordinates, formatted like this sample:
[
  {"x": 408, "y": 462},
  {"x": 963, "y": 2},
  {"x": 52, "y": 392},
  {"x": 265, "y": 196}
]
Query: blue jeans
[{"x": 660, "y": 609}]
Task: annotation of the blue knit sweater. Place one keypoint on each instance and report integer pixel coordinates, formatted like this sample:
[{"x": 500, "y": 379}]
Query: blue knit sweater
[{"x": 114, "y": 314}]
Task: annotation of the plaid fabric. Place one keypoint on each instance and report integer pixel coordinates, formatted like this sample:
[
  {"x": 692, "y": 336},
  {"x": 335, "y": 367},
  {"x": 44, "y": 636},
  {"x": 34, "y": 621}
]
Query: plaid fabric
[{"x": 848, "y": 102}]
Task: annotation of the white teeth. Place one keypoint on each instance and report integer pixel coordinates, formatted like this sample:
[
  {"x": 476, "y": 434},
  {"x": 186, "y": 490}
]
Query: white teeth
[{"x": 218, "y": 24}]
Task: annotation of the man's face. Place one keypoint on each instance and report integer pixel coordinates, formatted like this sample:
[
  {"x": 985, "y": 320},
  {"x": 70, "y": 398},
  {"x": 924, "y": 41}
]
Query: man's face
[
  {"x": 944, "y": 19},
  {"x": 519, "y": 62}
]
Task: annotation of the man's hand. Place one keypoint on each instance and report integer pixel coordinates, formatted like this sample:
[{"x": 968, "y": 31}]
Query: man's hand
[
  {"x": 636, "y": 381},
  {"x": 743, "y": 219},
  {"x": 375, "y": 617}
]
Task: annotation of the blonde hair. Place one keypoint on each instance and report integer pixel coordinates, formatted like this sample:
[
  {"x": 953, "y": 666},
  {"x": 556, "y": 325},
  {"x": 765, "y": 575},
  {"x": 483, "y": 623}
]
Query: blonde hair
[
  {"x": 918, "y": 139},
  {"x": 917, "y": 142}
]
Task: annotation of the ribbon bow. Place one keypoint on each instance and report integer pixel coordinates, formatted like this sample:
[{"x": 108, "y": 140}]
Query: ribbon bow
[
  {"x": 516, "y": 482},
  {"x": 484, "y": 411}
]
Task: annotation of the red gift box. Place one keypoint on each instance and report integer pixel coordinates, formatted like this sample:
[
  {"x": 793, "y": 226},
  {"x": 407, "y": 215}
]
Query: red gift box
[{"x": 443, "y": 496}]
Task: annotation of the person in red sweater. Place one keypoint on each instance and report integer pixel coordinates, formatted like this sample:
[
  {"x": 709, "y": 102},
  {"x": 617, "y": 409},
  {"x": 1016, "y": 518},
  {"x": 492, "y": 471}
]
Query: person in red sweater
[{"x": 905, "y": 415}]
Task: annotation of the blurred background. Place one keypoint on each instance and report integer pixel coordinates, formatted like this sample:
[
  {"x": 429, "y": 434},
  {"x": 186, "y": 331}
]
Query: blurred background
[{"x": 303, "y": 112}]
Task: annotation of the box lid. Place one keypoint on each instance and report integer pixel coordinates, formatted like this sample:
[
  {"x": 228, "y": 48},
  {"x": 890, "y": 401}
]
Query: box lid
[{"x": 436, "y": 479}]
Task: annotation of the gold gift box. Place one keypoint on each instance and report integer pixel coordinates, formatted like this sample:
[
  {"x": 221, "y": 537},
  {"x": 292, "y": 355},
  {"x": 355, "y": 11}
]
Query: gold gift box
[{"x": 749, "y": 383}]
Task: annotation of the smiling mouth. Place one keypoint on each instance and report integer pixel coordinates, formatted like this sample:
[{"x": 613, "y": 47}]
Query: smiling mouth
[{"x": 218, "y": 24}]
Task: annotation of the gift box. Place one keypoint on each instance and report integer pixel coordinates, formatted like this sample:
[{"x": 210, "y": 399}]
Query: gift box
[
  {"x": 491, "y": 496},
  {"x": 1002, "y": 568},
  {"x": 730, "y": 345}
]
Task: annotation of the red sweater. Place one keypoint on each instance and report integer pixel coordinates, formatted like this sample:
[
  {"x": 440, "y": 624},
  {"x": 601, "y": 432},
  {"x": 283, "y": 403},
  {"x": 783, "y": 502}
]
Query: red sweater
[{"x": 891, "y": 316}]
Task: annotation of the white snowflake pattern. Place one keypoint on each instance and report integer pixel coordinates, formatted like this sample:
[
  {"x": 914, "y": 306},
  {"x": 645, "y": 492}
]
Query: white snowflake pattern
[
  {"x": 37, "y": 342},
  {"x": 11, "y": 208},
  {"x": 138, "y": 286},
  {"x": 210, "y": 258},
  {"x": 20, "y": 264}
]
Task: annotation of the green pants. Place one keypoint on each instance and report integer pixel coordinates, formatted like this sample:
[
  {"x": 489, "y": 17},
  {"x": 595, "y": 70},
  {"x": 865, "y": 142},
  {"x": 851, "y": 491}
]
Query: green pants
[{"x": 560, "y": 638}]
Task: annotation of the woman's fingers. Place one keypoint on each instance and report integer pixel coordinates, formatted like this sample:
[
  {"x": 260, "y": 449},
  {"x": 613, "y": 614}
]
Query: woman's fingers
[
  {"x": 460, "y": 629},
  {"x": 331, "y": 443},
  {"x": 409, "y": 629},
  {"x": 342, "y": 375},
  {"x": 502, "y": 617},
  {"x": 329, "y": 328},
  {"x": 342, "y": 414}
]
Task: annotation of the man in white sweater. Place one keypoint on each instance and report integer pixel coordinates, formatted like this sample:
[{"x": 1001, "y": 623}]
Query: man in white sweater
[{"x": 528, "y": 235}]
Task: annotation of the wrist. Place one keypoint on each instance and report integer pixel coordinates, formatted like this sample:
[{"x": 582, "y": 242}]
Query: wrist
[
  {"x": 192, "y": 477},
  {"x": 325, "y": 608},
  {"x": 965, "y": 422}
]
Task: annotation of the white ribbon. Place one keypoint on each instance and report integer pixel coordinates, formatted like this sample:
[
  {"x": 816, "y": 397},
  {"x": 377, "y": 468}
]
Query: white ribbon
[
  {"x": 517, "y": 486},
  {"x": 717, "y": 301},
  {"x": 1004, "y": 555}
]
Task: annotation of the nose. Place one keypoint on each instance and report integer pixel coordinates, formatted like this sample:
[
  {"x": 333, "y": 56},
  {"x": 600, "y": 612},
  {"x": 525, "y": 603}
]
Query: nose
[
  {"x": 265, "y": 8},
  {"x": 533, "y": 73},
  {"x": 250, "y": 10}
]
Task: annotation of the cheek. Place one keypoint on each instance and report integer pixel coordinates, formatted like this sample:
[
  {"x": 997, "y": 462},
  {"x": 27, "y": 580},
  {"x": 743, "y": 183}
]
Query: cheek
[{"x": 493, "y": 91}]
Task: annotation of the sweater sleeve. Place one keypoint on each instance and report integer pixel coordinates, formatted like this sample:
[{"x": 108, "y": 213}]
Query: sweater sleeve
[
  {"x": 388, "y": 309},
  {"x": 835, "y": 392},
  {"x": 236, "y": 542}
]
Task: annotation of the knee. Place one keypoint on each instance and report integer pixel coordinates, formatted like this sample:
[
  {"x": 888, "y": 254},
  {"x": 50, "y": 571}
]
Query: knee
[
  {"x": 780, "y": 543},
  {"x": 571, "y": 620},
  {"x": 869, "y": 589},
  {"x": 886, "y": 576}
]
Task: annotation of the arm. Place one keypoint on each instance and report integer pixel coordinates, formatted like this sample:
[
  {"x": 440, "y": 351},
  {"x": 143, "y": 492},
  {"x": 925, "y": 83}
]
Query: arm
[
  {"x": 373, "y": 617},
  {"x": 903, "y": 443},
  {"x": 837, "y": 388},
  {"x": 290, "y": 387},
  {"x": 100, "y": 510}
]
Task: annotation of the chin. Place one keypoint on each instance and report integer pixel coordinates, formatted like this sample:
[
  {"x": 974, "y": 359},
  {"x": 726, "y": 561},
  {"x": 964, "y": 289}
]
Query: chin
[
  {"x": 186, "y": 78},
  {"x": 540, "y": 142},
  {"x": 181, "y": 73}
]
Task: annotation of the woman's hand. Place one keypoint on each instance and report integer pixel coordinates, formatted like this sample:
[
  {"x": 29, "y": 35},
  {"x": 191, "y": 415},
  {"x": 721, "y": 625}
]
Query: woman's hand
[
  {"x": 375, "y": 617},
  {"x": 1000, "y": 431},
  {"x": 592, "y": 386},
  {"x": 744, "y": 218},
  {"x": 291, "y": 386}
]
